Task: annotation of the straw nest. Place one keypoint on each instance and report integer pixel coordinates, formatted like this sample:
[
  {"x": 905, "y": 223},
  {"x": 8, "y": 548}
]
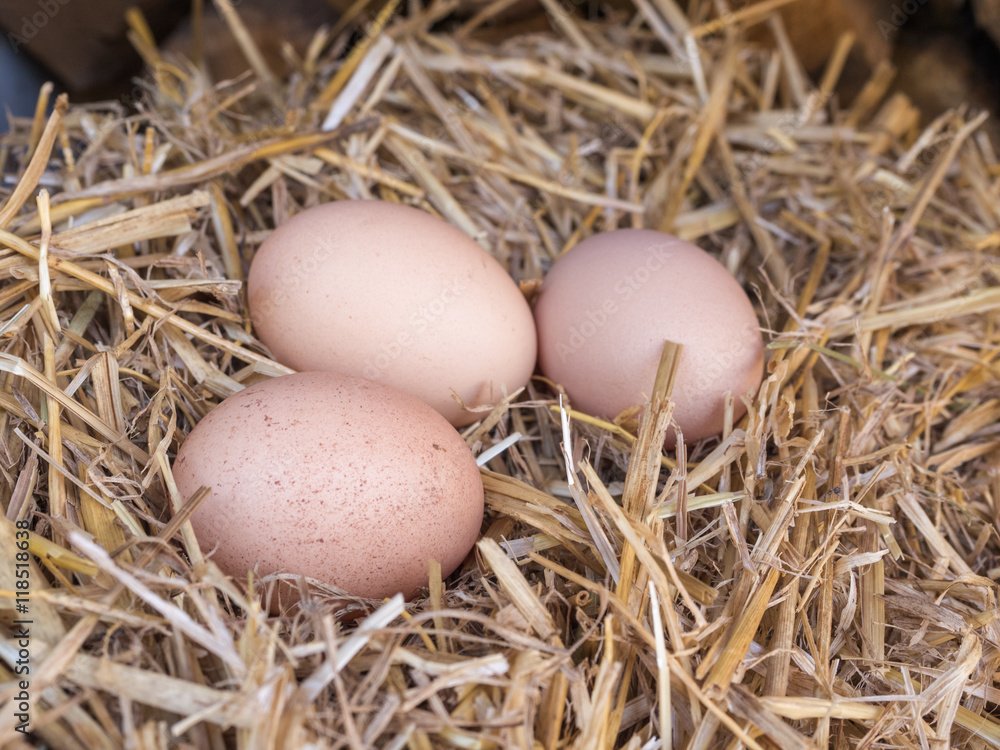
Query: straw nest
[{"x": 821, "y": 575}]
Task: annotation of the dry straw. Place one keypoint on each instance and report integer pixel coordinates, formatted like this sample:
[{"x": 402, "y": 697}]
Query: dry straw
[{"x": 821, "y": 575}]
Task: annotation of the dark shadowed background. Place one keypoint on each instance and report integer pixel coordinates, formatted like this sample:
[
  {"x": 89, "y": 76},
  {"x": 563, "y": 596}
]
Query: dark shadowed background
[{"x": 944, "y": 51}]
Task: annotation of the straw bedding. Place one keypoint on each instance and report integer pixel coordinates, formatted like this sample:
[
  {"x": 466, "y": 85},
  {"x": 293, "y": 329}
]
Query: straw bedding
[{"x": 823, "y": 574}]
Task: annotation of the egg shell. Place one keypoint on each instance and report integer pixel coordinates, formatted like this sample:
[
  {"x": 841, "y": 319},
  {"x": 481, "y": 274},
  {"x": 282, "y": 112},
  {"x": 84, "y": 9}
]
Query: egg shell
[
  {"x": 607, "y": 306},
  {"x": 332, "y": 477},
  {"x": 393, "y": 294}
]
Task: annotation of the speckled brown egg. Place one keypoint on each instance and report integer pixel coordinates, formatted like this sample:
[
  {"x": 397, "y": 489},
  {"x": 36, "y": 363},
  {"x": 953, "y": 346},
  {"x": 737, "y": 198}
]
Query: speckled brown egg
[
  {"x": 393, "y": 294},
  {"x": 607, "y": 306},
  {"x": 332, "y": 477}
]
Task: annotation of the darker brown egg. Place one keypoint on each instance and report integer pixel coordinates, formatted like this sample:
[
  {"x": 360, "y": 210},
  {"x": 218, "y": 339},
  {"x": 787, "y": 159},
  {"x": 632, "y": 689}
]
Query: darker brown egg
[{"x": 609, "y": 304}]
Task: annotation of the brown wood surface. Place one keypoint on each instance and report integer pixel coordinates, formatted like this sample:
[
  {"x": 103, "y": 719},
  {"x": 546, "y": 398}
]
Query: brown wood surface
[
  {"x": 272, "y": 25},
  {"x": 988, "y": 17},
  {"x": 814, "y": 26},
  {"x": 83, "y": 42}
]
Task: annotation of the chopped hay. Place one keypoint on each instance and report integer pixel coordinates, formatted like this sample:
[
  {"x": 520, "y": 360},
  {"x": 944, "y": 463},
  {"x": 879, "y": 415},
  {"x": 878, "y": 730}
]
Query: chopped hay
[{"x": 823, "y": 574}]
